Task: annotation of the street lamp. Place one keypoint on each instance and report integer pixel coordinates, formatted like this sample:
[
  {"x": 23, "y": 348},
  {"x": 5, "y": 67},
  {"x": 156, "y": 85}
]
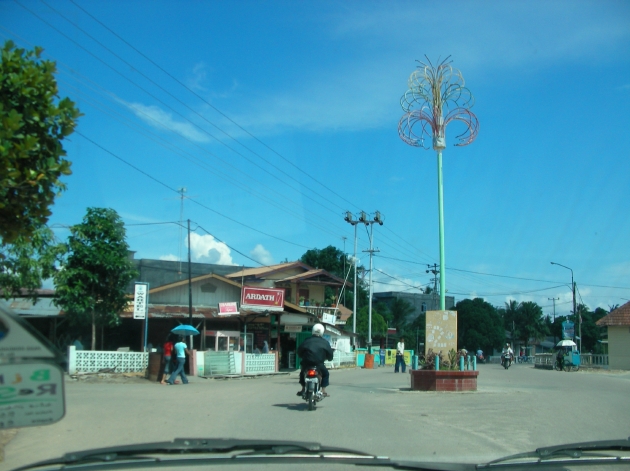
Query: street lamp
[
  {"x": 437, "y": 96},
  {"x": 574, "y": 309}
]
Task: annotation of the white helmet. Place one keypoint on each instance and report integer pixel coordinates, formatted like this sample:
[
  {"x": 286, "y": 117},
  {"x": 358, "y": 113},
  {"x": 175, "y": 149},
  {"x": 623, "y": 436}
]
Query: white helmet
[{"x": 318, "y": 330}]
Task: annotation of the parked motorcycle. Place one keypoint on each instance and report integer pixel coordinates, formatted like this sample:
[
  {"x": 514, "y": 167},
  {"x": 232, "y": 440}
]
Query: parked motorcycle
[
  {"x": 312, "y": 391},
  {"x": 506, "y": 361}
]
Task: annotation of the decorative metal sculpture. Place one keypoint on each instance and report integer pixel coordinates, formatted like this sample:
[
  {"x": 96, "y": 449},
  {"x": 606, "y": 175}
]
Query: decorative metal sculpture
[{"x": 436, "y": 97}]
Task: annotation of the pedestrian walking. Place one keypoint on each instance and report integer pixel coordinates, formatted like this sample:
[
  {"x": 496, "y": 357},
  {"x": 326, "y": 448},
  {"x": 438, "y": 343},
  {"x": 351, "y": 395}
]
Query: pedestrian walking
[
  {"x": 167, "y": 352},
  {"x": 265, "y": 348},
  {"x": 181, "y": 351},
  {"x": 400, "y": 355}
]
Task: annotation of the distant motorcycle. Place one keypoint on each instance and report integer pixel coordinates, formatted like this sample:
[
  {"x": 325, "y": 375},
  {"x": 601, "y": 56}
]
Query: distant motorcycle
[
  {"x": 312, "y": 391},
  {"x": 506, "y": 360},
  {"x": 480, "y": 358}
]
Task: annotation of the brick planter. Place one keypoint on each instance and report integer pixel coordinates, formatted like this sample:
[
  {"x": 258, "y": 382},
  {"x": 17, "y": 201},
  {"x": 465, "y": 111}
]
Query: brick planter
[{"x": 431, "y": 380}]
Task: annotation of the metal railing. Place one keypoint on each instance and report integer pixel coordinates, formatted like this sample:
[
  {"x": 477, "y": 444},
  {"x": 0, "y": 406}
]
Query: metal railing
[{"x": 591, "y": 360}]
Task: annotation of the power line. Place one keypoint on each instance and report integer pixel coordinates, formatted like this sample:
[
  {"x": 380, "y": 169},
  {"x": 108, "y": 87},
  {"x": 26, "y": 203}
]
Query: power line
[
  {"x": 191, "y": 109},
  {"x": 193, "y": 201},
  {"x": 210, "y": 105}
]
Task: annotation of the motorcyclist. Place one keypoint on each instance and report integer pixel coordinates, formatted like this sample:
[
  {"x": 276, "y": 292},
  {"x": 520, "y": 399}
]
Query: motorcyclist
[
  {"x": 508, "y": 353},
  {"x": 314, "y": 351}
]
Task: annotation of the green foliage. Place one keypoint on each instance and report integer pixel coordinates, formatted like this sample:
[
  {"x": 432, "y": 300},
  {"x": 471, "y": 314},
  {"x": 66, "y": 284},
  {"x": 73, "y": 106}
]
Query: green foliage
[
  {"x": 25, "y": 263},
  {"x": 96, "y": 271},
  {"x": 530, "y": 323},
  {"x": 379, "y": 327},
  {"x": 525, "y": 320},
  {"x": 479, "y": 325},
  {"x": 400, "y": 310},
  {"x": 34, "y": 122},
  {"x": 332, "y": 259},
  {"x": 591, "y": 332}
]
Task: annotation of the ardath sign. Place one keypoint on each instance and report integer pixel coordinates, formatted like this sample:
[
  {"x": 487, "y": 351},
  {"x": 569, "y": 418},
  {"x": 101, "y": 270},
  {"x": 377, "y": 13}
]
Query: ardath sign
[{"x": 267, "y": 299}]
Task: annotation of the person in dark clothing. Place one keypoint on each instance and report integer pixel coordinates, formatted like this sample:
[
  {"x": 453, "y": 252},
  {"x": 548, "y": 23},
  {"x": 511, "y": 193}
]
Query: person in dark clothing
[{"x": 314, "y": 351}]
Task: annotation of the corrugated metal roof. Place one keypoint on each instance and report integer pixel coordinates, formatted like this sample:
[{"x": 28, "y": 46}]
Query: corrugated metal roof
[
  {"x": 263, "y": 270},
  {"x": 44, "y": 307},
  {"x": 619, "y": 317}
]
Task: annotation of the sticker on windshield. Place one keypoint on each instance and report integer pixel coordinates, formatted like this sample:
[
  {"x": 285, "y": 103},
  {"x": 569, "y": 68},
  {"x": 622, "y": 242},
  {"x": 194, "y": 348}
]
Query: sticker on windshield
[{"x": 30, "y": 394}]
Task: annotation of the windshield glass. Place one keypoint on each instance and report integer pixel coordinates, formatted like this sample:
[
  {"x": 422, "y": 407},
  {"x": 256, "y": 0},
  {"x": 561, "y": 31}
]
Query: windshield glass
[{"x": 439, "y": 187}]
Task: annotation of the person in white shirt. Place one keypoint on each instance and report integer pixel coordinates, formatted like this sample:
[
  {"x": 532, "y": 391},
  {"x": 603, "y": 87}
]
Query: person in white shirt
[{"x": 400, "y": 355}]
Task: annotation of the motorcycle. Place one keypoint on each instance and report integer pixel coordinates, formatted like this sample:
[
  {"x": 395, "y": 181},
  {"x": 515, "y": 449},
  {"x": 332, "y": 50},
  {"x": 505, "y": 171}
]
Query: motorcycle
[
  {"x": 506, "y": 360},
  {"x": 480, "y": 358},
  {"x": 312, "y": 391}
]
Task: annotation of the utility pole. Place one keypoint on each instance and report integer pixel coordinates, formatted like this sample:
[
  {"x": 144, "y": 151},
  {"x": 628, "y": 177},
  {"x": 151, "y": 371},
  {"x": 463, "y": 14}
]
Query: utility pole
[
  {"x": 349, "y": 219},
  {"x": 434, "y": 269},
  {"x": 554, "y": 307},
  {"x": 344, "y": 238},
  {"x": 575, "y": 314},
  {"x": 190, "y": 321},
  {"x": 377, "y": 219}
]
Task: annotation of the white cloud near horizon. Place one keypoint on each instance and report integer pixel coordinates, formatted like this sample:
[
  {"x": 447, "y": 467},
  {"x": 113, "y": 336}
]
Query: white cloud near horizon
[
  {"x": 207, "y": 249},
  {"x": 261, "y": 255}
]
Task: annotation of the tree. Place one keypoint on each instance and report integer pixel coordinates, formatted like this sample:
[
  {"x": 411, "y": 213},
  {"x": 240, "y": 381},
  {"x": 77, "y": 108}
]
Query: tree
[
  {"x": 479, "y": 325},
  {"x": 95, "y": 271},
  {"x": 591, "y": 332},
  {"x": 332, "y": 259},
  {"x": 379, "y": 327},
  {"x": 34, "y": 123},
  {"x": 25, "y": 263},
  {"x": 400, "y": 310},
  {"x": 530, "y": 323}
]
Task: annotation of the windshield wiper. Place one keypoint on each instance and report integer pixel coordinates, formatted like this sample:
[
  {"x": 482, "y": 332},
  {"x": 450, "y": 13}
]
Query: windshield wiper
[
  {"x": 146, "y": 453},
  {"x": 584, "y": 450}
]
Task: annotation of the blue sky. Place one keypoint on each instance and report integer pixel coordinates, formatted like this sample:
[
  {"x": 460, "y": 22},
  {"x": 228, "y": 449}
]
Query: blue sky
[{"x": 277, "y": 117}]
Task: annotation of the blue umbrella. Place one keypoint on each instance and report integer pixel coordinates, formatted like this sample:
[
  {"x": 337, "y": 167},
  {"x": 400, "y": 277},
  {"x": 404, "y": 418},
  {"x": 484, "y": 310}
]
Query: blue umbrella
[{"x": 185, "y": 329}]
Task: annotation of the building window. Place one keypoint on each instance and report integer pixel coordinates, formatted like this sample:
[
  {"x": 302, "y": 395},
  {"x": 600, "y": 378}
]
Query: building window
[{"x": 424, "y": 307}]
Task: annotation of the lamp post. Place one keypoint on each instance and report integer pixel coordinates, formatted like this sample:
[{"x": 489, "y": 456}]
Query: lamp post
[
  {"x": 574, "y": 308},
  {"x": 436, "y": 97}
]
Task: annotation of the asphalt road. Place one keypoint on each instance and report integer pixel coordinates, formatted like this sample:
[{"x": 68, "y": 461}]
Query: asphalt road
[{"x": 370, "y": 410}]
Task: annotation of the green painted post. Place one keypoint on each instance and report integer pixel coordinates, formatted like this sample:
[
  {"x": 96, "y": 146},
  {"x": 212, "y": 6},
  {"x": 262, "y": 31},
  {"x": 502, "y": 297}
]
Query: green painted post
[
  {"x": 461, "y": 363},
  {"x": 437, "y": 363},
  {"x": 441, "y": 225}
]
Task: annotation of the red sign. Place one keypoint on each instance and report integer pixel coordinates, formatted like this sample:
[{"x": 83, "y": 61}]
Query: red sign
[
  {"x": 227, "y": 309},
  {"x": 271, "y": 299}
]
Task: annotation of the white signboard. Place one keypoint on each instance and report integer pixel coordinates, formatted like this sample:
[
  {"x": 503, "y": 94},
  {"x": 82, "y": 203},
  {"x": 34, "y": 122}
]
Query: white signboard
[
  {"x": 329, "y": 319},
  {"x": 30, "y": 394},
  {"x": 228, "y": 309},
  {"x": 140, "y": 301}
]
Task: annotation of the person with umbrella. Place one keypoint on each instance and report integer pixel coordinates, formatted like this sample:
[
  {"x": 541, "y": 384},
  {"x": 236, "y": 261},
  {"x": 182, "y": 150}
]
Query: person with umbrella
[{"x": 181, "y": 351}]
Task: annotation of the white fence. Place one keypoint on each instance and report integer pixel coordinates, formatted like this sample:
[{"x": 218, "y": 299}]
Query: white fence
[
  {"x": 231, "y": 363},
  {"x": 88, "y": 361},
  {"x": 342, "y": 359},
  {"x": 260, "y": 363}
]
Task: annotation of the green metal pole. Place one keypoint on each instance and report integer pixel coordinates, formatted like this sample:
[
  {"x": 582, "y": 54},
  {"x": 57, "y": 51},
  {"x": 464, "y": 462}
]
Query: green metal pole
[{"x": 441, "y": 224}]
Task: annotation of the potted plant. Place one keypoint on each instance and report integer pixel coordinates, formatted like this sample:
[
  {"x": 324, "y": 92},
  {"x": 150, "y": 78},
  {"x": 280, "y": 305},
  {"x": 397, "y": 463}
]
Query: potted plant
[{"x": 301, "y": 300}]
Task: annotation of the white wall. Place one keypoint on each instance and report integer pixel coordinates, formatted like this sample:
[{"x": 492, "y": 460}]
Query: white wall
[{"x": 619, "y": 347}]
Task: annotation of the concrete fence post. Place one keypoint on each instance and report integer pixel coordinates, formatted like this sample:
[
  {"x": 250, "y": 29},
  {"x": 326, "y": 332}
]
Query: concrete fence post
[{"x": 72, "y": 360}]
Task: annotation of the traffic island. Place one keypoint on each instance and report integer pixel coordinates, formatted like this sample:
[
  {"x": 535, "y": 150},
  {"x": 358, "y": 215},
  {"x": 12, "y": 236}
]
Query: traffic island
[{"x": 446, "y": 380}]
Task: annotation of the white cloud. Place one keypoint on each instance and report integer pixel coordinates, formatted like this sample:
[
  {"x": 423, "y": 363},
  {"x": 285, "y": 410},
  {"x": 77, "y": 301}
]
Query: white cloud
[
  {"x": 170, "y": 257},
  {"x": 261, "y": 255},
  {"x": 207, "y": 249},
  {"x": 158, "y": 118}
]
